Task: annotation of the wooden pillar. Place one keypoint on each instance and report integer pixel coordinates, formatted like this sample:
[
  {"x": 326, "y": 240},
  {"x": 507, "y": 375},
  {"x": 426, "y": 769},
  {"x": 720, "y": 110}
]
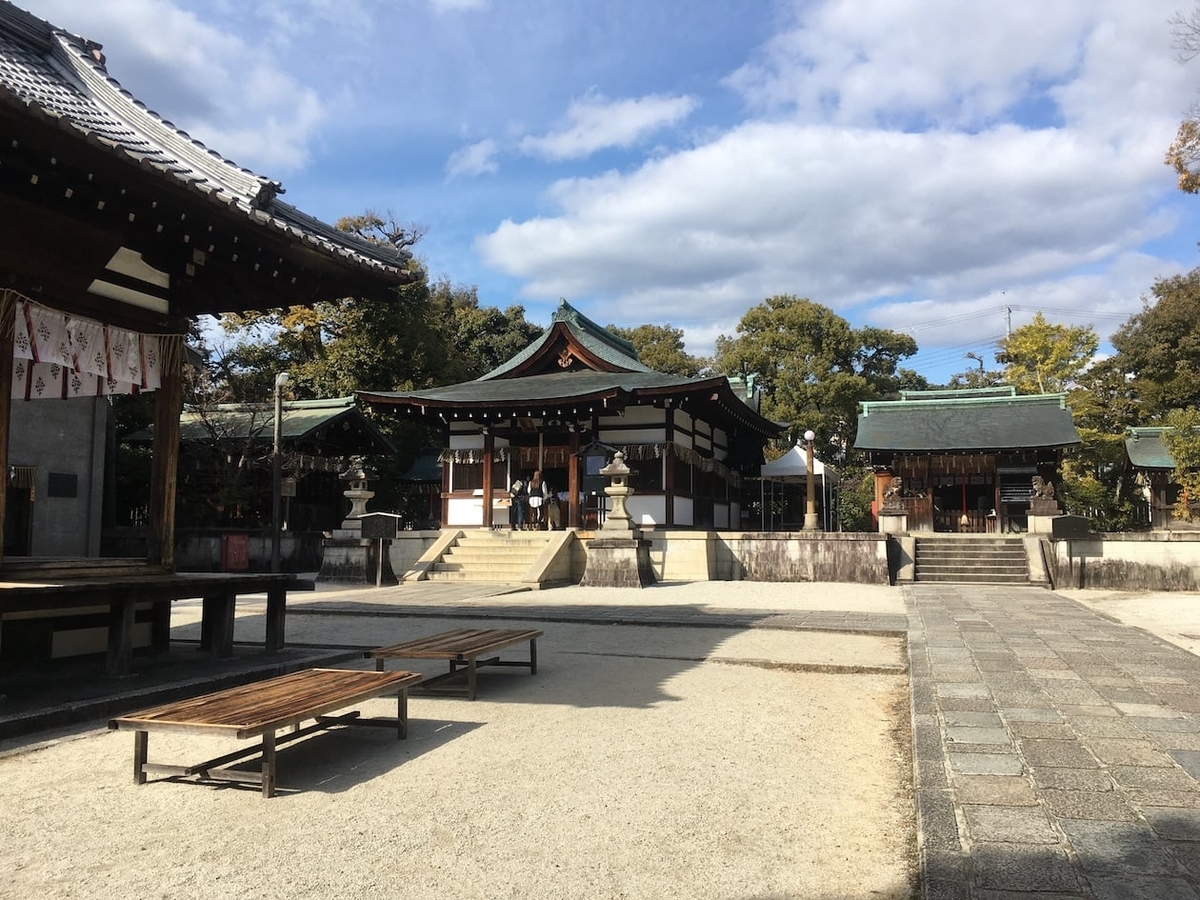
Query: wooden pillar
[
  {"x": 445, "y": 498},
  {"x": 276, "y": 614},
  {"x": 6, "y": 367},
  {"x": 164, "y": 466},
  {"x": 668, "y": 474},
  {"x": 219, "y": 608},
  {"x": 573, "y": 511},
  {"x": 489, "y": 447},
  {"x": 120, "y": 636},
  {"x": 160, "y": 628}
]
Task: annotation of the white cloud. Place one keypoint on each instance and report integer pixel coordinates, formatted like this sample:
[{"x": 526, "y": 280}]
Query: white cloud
[
  {"x": 476, "y": 159},
  {"x": 900, "y": 151},
  {"x": 445, "y": 6},
  {"x": 595, "y": 123},
  {"x": 223, "y": 90},
  {"x": 841, "y": 214}
]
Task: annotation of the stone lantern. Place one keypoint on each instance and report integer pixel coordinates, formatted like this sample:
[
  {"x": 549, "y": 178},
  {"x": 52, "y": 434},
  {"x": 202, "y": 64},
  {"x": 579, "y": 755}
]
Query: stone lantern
[
  {"x": 346, "y": 556},
  {"x": 357, "y": 476},
  {"x": 618, "y": 557},
  {"x": 618, "y": 490}
]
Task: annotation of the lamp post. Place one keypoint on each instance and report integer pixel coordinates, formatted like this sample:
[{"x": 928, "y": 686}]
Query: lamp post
[
  {"x": 277, "y": 472},
  {"x": 810, "y": 499}
]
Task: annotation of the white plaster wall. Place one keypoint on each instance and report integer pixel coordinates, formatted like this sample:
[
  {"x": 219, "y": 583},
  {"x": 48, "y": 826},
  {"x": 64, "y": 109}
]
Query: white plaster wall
[
  {"x": 466, "y": 441},
  {"x": 632, "y": 436},
  {"x": 721, "y": 515},
  {"x": 647, "y": 510},
  {"x": 466, "y": 511},
  {"x": 684, "y": 513},
  {"x": 643, "y": 415}
]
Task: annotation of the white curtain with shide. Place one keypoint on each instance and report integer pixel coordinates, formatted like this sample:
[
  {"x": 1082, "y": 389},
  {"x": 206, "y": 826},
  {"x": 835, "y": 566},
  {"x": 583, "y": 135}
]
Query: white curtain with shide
[{"x": 56, "y": 355}]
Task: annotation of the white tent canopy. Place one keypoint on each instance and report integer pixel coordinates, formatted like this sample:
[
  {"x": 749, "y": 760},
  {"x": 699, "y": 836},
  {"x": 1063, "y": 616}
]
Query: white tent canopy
[{"x": 792, "y": 468}]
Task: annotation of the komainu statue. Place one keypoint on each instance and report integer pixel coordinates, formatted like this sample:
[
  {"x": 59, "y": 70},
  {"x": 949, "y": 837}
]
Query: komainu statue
[{"x": 1042, "y": 489}]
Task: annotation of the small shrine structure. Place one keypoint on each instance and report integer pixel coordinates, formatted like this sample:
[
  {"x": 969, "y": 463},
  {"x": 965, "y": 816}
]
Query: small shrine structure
[
  {"x": 967, "y": 460},
  {"x": 1153, "y": 466}
]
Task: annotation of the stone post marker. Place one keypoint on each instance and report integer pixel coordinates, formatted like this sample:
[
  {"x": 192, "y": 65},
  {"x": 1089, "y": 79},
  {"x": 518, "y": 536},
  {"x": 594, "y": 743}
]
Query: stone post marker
[{"x": 618, "y": 557}]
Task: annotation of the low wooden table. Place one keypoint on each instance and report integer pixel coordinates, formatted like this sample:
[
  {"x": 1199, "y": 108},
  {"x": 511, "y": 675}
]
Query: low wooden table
[
  {"x": 462, "y": 648},
  {"x": 123, "y": 591},
  {"x": 262, "y": 708}
]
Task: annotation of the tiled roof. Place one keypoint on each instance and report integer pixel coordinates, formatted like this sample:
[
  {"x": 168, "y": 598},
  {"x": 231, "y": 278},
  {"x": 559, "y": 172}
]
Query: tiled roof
[
  {"x": 537, "y": 389},
  {"x": 595, "y": 339},
  {"x": 301, "y": 422},
  {"x": 944, "y": 423},
  {"x": 558, "y": 392},
  {"x": 1146, "y": 450},
  {"x": 61, "y": 78}
]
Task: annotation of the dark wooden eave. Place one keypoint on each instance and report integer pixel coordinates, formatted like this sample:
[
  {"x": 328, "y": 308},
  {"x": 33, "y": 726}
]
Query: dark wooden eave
[{"x": 78, "y": 201}]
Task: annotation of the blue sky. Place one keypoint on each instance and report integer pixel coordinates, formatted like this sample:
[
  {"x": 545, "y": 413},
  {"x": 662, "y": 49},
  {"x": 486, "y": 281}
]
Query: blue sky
[{"x": 936, "y": 166}]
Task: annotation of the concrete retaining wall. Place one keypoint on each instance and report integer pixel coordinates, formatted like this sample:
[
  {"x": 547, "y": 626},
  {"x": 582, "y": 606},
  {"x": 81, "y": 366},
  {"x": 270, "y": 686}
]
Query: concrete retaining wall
[
  {"x": 1149, "y": 561},
  {"x": 759, "y": 556}
]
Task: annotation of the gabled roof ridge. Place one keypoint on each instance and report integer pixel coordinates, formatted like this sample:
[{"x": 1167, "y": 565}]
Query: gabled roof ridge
[
  {"x": 1058, "y": 399},
  {"x": 595, "y": 338},
  {"x": 995, "y": 390},
  {"x": 268, "y": 406},
  {"x": 570, "y": 316}
]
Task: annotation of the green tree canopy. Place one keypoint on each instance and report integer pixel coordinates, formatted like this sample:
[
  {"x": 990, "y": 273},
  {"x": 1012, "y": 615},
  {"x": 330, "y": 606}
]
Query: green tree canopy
[
  {"x": 1184, "y": 153},
  {"x": 485, "y": 337},
  {"x": 813, "y": 367},
  {"x": 976, "y": 376},
  {"x": 1094, "y": 480},
  {"x": 661, "y": 348},
  {"x": 1159, "y": 347},
  {"x": 1183, "y": 441},
  {"x": 1042, "y": 358}
]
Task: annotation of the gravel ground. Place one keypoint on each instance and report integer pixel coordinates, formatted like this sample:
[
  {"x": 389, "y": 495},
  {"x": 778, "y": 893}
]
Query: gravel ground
[{"x": 640, "y": 762}]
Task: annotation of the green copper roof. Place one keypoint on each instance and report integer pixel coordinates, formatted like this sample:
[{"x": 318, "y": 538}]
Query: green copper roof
[
  {"x": 567, "y": 393},
  {"x": 1146, "y": 450},
  {"x": 535, "y": 389},
  {"x": 967, "y": 421},
  {"x": 599, "y": 341},
  {"x": 332, "y": 422},
  {"x": 999, "y": 390}
]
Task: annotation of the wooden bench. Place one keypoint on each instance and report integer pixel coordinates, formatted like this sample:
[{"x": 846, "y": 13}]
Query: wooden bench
[
  {"x": 462, "y": 648},
  {"x": 262, "y": 709}
]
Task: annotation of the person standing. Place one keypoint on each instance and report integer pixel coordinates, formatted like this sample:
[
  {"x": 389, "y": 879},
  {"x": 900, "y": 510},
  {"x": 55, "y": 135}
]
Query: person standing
[
  {"x": 537, "y": 500},
  {"x": 516, "y": 505}
]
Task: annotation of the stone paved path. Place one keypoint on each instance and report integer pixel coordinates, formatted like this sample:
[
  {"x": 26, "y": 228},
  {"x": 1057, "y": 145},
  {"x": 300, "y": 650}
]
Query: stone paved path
[{"x": 1057, "y": 752}]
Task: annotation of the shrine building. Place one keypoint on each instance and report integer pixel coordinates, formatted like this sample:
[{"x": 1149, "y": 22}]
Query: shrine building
[
  {"x": 121, "y": 230},
  {"x": 966, "y": 460},
  {"x": 564, "y": 405}
]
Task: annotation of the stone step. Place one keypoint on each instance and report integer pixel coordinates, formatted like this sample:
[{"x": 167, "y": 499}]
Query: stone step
[
  {"x": 491, "y": 573},
  {"x": 962, "y": 577},
  {"x": 982, "y": 553},
  {"x": 964, "y": 546},
  {"x": 486, "y": 553},
  {"x": 922, "y": 569},
  {"x": 970, "y": 560}
]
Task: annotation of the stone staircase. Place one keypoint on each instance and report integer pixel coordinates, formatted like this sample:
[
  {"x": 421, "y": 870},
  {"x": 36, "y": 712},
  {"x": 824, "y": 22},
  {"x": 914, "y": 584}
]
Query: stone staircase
[
  {"x": 971, "y": 559},
  {"x": 489, "y": 556}
]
